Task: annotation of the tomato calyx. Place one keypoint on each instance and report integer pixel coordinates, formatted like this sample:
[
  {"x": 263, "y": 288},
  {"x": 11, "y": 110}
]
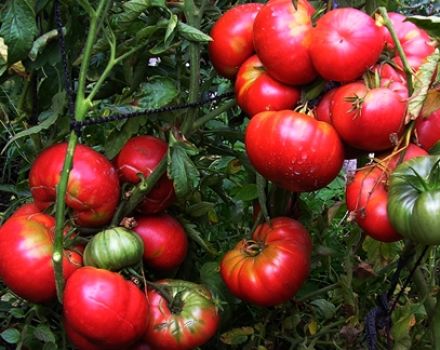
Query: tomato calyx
[
  {"x": 253, "y": 248},
  {"x": 175, "y": 303}
]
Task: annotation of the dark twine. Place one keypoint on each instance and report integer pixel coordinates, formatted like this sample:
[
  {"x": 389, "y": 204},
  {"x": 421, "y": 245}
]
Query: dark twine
[{"x": 380, "y": 316}]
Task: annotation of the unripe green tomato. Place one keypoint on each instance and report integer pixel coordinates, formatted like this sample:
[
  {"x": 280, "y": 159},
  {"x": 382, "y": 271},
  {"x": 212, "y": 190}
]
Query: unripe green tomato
[{"x": 114, "y": 249}]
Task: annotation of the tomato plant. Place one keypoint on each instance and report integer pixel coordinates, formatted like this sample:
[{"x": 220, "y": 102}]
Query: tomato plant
[
  {"x": 256, "y": 91},
  {"x": 294, "y": 150},
  {"x": 103, "y": 310},
  {"x": 189, "y": 319},
  {"x": 269, "y": 268}
]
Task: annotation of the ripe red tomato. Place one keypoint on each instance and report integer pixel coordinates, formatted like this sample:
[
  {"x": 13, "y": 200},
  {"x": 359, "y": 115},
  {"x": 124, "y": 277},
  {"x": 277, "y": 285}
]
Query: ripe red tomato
[
  {"x": 416, "y": 43},
  {"x": 323, "y": 109},
  {"x": 358, "y": 116},
  {"x": 26, "y": 247},
  {"x": 165, "y": 241},
  {"x": 271, "y": 267},
  {"x": 232, "y": 39},
  {"x": 188, "y": 322},
  {"x": 428, "y": 130},
  {"x": 103, "y": 310},
  {"x": 256, "y": 91},
  {"x": 26, "y": 209},
  {"x": 367, "y": 197},
  {"x": 282, "y": 40},
  {"x": 345, "y": 43},
  {"x": 93, "y": 188},
  {"x": 141, "y": 155},
  {"x": 294, "y": 150},
  {"x": 392, "y": 79}
]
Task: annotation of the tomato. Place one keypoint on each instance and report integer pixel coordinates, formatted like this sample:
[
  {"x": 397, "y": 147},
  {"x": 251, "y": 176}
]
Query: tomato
[
  {"x": 416, "y": 43},
  {"x": 26, "y": 248},
  {"x": 104, "y": 310},
  {"x": 294, "y": 150},
  {"x": 428, "y": 130},
  {"x": 271, "y": 267},
  {"x": 256, "y": 91},
  {"x": 114, "y": 249},
  {"x": 367, "y": 197},
  {"x": 414, "y": 199},
  {"x": 323, "y": 108},
  {"x": 282, "y": 40},
  {"x": 93, "y": 188},
  {"x": 141, "y": 155},
  {"x": 345, "y": 43},
  {"x": 165, "y": 241},
  {"x": 232, "y": 39},
  {"x": 358, "y": 116},
  {"x": 26, "y": 209},
  {"x": 188, "y": 322},
  {"x": 393, "y": 79}
]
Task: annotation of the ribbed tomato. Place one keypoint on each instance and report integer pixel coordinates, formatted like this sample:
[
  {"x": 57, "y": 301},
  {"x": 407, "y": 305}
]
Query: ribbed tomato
[
  {"x": 428, "y": 130},
  {"x": 141, "y": 155},
  {"x": 271, "y": 267},
  {"x": 26, "y": 248},
  {"x": 345, "y": 43},
  {"x": 294, "y": 150},
  {"x": 282, "y": 40},
  {"x": 93, "y": 188},
  {"x": 256, "y": 91},
  {"x": 232, "y": 39},
  {"x": 102, "y": 310}
]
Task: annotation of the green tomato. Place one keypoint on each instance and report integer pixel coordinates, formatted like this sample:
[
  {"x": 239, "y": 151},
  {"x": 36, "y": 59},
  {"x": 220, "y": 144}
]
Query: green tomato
[
  {"x": 414, "y": 199},
  {"x": 114, "y": 249}
]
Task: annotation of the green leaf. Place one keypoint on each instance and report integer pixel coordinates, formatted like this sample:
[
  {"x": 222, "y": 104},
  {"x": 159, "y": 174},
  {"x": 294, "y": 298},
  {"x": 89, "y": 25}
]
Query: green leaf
[
  {"x": 41, "y": 42},
  {"x": 192, "y": 34},
  {"x": 156, "y": 93},
  {"x": 429, "y": 23},
  {"x": 44, "y": 333},
  {"x": 182, "y": 170},
  {"x": 247, "y": 192},
  {"x": 196, "y": 236},
  {"x": 380, "y": 254},
  {"x": 199, "y": 209},
  {"x": 236, "y": 336},
  {"x": 325, "y": 308},
  {"x": 48, "y": 119},
  {"x": 172, "y": 24},
  {"x": 422, "y": 83},
  {"x": 50, "y": 346},
  {"x": 132, "y": 10},
  {"x": 10, "y": 335},
  {"x": 18, "y": 28}
]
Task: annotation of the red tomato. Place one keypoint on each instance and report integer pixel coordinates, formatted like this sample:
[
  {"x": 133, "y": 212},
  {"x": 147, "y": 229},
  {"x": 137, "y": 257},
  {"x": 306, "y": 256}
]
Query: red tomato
[
  {"x": 232, "y": 39},
  {"x": 345, "y": 43},
  {"x": 93, "y": 188},
  {"x": 104, "y": 310},
  {"x": 323, "y": 109},
  {"x": 393, "y": 79},
  {"x": 358, "y": 116},
  {"x": 416, "y": 43},
  {"x": 256, "y": 91},
  {"x": 165, "y": 241},
  {"x": 282, "y": 40},
  {"x": 271, "y": 267},
  {"x": 26, "y": 209},
  {"x": 188, "y": 322},
  {"x": 26, "y": 248},
  {"x": 294, "y": 150},
  {"x": 367, "y": 197},
  {"x": 428, "y": 130},
  {"x": 141, "y": 155}
]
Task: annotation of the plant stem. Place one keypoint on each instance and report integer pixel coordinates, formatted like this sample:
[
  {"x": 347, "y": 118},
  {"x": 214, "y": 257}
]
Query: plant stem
[
  {"x": 211, "y": 115},
  {"x": 435, "y": 324},
  {"x": 406, "y": 67},
  {"x": 318, "y": 292},
  {"x": 423, "y": 291}
]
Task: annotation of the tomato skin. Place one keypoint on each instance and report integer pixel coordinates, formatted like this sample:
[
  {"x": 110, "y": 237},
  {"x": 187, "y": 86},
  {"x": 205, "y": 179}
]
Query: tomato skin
[
  {"x": 323, "y": 109},
  {"x": 93, "y": 188},
  {"x": 345, "y": 43},
  {"x": 26, "y": 209},
  {"x": 165, "y": 241},
  {"x": 26, "y": 247},
  {"x": 102, "y": 309},
  {"x": 232, "y": 39},
  {"x": 192, "y": 326},
  {"x": 428, "y": 130},
  {"x": 414, "y": 202},
  {"x": 141, "y": 155},
  {"x": 269, "y": 269},
  {"x": 282, "y": 40},
  {"x": 256, "y": 91},
  {"x": 114, "y": 249},
  {"x": 294, "y": 150},
  {"x": 367, "y": 198},
  {"x": 361, "y": 123}
]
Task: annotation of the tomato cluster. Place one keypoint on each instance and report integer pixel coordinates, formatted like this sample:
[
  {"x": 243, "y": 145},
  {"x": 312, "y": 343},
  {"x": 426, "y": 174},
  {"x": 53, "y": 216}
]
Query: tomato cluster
[{"x": 362, "y": 107}]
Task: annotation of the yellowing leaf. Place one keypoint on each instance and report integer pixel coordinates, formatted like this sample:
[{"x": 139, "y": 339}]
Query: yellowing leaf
[
  {"x": 3, "y": 50},
  {"x": 312, "y": 327}
]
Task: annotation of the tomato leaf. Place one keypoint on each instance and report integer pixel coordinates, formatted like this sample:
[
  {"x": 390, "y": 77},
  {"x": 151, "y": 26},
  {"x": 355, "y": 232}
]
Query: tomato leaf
[
  {"x": 199, "y": 209},
  {"x": 10, "y": 335},
  {"x": 182, "y": 170},
  {"x": 132, "y": 10},
  {"x": 380, "y": 254},
  {"x": 196, "y": 235},
  {"x": 44, "y": 333},
  {"x": 247, "y": 192},
  {"x": 18, "y": 28},
  {"x": 236, "y": 336},
  {"x": 429, "y": 23},
  {"x": 192, "y": 34},
  {"x": 41, "y": 42}
]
